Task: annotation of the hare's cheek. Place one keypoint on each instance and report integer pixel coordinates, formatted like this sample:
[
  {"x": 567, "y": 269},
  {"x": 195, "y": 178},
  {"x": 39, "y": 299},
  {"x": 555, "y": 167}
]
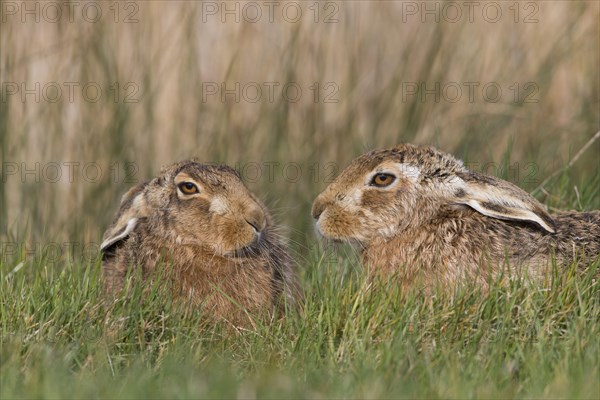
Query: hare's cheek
[
  {"x": 379, "y": 202},
  {"x": 234, "y": 234},
  {"x": 221, "y": 235},
  {"x": 244, "y": 235},
  {"x": 381, "y": 223}
]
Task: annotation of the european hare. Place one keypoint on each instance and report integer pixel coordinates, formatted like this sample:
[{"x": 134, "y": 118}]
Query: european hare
[
  {"x": 215, "y": 237},
  {"x": 419, "y": 213}
]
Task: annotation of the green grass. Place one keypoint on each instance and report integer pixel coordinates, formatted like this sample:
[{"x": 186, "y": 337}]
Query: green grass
[{"x": 59, "y": 340}]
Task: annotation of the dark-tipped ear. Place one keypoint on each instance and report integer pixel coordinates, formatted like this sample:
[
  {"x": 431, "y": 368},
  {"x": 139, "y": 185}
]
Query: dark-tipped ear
[
  {"x": 497, "y": 198},
  {"x": 134, "y": 206}
]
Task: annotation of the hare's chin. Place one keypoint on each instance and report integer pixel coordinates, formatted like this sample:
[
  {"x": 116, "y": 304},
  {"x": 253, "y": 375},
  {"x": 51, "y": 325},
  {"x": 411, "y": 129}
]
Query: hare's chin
[{"x": 250, "y": 250}]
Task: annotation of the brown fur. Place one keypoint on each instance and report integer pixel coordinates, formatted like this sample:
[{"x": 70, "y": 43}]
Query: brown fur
[
  {"x": 220, "y": 247},
  {"x": 439, "y": 223}
]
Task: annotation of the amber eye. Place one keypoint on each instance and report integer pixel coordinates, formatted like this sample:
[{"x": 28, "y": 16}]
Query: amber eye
[
  {"x": 382, "y": 180},
  {"x": 188, "y": 188}
]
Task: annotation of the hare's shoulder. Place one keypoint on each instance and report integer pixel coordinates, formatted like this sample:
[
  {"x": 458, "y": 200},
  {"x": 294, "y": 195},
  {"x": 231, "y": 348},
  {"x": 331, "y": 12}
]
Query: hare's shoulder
[
  {"x": 578, "y": 230},
  {"x": 583, "y": 218}
]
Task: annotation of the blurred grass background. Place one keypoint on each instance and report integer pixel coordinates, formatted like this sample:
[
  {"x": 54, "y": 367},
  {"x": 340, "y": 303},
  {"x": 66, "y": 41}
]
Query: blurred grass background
[{"x": 169, "y": 50}]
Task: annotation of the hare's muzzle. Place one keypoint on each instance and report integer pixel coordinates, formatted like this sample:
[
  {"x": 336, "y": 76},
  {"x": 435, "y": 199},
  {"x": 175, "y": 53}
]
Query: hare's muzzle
[
  {"x": 255, "y": 217},
  {"x": 318, "y": 207}
]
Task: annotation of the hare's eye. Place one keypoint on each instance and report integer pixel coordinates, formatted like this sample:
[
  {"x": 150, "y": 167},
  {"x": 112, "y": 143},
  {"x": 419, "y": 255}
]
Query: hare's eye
[
  {"x": 382, "y": 180},
  {"x": 188, "y": 188}
]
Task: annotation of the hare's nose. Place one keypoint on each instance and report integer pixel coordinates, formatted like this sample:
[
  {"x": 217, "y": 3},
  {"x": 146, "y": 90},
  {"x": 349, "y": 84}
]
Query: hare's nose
[
  {"x": 256, "y": 219},
  {"x": 318, "y": 207}
]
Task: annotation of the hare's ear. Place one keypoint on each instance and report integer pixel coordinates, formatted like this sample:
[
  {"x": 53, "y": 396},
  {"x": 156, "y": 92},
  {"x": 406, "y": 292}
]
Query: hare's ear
[
  {"x": 134, "y": 206},
  {"x": 497, "y": 198}
]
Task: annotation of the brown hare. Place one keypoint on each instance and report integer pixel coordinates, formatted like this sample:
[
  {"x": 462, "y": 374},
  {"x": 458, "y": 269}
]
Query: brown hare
[
  {"x": 420, "y": 214},
  {"x": 213, "y": 235}
]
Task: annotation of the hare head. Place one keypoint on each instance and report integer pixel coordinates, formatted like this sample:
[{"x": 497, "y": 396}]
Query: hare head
[
  {"x": 384, "y": 193},
  {"x": 200, "y": 204},
  {"x": 217, "y": 240}
]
